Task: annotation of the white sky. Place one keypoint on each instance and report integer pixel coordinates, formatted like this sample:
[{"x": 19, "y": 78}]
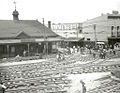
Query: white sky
[{"x": 58, "y": 11}]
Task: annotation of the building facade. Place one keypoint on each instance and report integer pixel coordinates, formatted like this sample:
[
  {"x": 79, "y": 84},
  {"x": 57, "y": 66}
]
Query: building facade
[
  {"x": 104, "y": 28},
  {"x": 25, "y": 37},
  {"x": 68, "y": 30}
]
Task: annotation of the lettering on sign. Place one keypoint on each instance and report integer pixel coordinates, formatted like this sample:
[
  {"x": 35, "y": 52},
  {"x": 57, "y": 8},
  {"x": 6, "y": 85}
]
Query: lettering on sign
[{"x": 66, "y": 26}]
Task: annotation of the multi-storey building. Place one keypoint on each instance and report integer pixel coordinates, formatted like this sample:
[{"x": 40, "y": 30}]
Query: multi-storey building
[
  {"x": 104, "y": 28},
  {"x": 71, "y": 33},
  {"x": 68, "y": 29}
]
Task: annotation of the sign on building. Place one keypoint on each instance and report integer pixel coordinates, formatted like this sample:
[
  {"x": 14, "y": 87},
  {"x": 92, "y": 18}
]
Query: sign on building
[{"x": 66, "y": 26}]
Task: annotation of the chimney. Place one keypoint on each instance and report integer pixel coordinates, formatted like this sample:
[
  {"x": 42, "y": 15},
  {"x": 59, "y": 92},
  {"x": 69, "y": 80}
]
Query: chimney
[{"x": 49, "y": 24}]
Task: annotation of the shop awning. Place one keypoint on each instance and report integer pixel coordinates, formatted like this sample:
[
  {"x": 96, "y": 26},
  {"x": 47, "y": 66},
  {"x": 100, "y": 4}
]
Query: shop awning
[{"x": 102, "y": 43}]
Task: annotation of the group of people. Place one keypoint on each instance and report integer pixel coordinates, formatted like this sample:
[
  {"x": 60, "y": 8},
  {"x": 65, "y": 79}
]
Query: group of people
[
  {"x": 103, "y": 52},
  {"x": 99, "y": 50}
]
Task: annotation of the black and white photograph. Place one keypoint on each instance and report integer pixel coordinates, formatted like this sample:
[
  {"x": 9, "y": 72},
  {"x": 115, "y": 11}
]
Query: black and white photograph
[{"x": 59, "y": 46}]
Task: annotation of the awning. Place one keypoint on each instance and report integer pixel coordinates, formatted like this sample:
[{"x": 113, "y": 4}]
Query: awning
[
  {"x": 9, "y": 41},
  {"x": 102, "y": 43},
  {"x": 73, "y": 39},
  {"x": 36, "y": 40}
]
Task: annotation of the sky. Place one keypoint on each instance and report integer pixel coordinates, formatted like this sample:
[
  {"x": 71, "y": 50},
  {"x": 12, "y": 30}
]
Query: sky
[{"x": 57, "y": 11}]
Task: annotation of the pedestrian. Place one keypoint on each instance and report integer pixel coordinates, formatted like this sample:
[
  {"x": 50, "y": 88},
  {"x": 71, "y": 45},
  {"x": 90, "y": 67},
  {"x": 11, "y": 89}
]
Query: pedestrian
[
  {"x": 74, "y": 49},
  {"x": 83, "y": 87},
  {"x": 24, "y": 53},
  {"x": 58, "y": 56},
  {"x": 71, "y": 50},
  {"x": 89, "y": 51},
  {"x": 104, "y": 53},
  {"x": 110, "y": 51},
  {"x": 81, "y": 50},
  {"x": 114, "y": 52},
  {"x": 63, "y": 57},
  {"x": 68, "y": 50},
  {"x": 78, "y": 49},
  {"x": 94, "y": 54},
  {"x": 101, "y": 53}
]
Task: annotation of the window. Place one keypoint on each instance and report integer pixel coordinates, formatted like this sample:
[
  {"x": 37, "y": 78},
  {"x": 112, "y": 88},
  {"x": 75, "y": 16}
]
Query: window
[
  {"x": 80, "y": 31},
  {"x": 88, "y": 39},
  {"x": 113, "y": 17}
]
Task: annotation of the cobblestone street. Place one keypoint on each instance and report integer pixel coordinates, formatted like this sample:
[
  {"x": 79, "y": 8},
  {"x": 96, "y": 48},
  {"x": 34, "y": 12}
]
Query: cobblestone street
[{"x": 52, "y": 76}]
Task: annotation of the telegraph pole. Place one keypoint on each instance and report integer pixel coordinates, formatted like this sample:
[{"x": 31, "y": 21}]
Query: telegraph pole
[
  {"x": 44, "y": 51},
  {"x": 45, "y": 40},
  {"x": 95, "y": 34}
]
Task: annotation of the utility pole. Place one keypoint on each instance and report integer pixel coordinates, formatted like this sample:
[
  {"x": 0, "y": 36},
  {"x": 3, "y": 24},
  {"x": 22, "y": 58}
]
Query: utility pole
[
  {"x": 44, "y": 51},
  {"x": 45, "y": 41},
  {"x": 95, "y": 34}
]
